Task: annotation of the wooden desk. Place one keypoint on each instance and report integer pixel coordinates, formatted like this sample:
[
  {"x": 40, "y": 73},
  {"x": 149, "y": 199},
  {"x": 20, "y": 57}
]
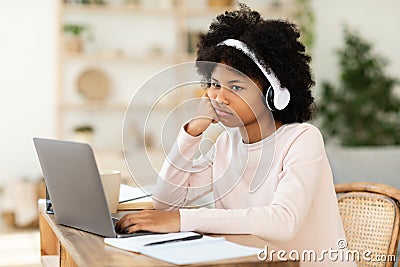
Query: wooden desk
[{"x": 65, "y": 246}]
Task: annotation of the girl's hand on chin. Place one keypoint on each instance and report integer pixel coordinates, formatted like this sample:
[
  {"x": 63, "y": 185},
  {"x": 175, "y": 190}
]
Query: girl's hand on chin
[{"x": 205, "y": 115}]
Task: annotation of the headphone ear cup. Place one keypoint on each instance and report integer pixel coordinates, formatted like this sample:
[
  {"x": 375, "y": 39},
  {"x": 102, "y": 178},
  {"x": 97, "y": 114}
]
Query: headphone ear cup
[{"x": 269, "y": 99}]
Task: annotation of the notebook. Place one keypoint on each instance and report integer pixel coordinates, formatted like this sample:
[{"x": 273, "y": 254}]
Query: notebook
[{"x": 195, "y": 251}]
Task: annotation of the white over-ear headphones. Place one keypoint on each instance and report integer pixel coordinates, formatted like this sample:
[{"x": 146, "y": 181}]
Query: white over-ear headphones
[{"x": 276, "y": 98}]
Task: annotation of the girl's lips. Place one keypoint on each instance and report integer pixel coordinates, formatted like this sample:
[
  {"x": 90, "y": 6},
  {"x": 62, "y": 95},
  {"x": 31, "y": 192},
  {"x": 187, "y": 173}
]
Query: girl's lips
[{"x": 222, "y": 113}]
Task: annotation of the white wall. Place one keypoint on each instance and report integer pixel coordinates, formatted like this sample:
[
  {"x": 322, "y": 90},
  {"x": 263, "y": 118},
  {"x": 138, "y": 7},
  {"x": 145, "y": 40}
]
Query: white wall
[
  {"x": 27, "y": 83},
  {"x": 377, "y": 21}
]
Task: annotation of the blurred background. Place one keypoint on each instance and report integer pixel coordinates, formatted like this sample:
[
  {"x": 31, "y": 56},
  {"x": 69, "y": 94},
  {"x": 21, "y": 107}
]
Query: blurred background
[{"x": 70, "y": 68}]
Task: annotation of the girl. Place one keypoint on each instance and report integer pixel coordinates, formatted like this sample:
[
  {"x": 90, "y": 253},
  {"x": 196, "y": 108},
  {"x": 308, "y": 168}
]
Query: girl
[{"x": 268, "y": 171}]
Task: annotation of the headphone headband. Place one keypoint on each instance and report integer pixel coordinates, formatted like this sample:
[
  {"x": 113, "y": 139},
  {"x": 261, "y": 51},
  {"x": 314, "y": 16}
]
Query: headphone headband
[{"x": 281, "y": 94}]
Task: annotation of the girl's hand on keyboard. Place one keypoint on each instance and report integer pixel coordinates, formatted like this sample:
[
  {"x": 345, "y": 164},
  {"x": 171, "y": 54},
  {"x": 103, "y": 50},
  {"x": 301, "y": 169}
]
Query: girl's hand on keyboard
[{"x": 150, "y": 220}]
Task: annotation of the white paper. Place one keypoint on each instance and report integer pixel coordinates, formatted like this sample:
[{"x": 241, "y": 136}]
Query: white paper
[
  {"x": 136, "y": 243},
  {"x": 186, "y": 252},
  {"x": 197, "y": 251},
  {"x": 127, "y": 192}
]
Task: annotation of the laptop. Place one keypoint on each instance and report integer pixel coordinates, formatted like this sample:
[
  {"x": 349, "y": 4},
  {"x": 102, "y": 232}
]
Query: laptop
[{"x": 74, "y": 186}]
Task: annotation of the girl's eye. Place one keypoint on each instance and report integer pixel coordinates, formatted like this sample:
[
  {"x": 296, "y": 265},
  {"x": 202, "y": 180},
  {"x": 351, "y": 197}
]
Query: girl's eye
[
  {"x": 215, "y": 84},
  {"x": 236, "y": 88}
]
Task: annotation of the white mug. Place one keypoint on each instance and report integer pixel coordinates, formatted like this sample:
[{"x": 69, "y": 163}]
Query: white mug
[{"x": 111, "y": 181}]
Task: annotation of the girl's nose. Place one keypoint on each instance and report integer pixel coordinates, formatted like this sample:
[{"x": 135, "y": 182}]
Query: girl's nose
[{"x": 222, "y": 96}]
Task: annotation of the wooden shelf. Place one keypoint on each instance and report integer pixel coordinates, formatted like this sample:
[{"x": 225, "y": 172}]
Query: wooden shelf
[
  {"x": 119, "y": 151},
  {"x": 94, "y": 105},
  {"x": 206, "y": 11},
  {"x": 98, "y": 105},
  {"x": 286, "y": 10},
  {"x": 280, "y": 11},
  {"x": 116, "y": 9},
  {"x": 118, "y": 58}
]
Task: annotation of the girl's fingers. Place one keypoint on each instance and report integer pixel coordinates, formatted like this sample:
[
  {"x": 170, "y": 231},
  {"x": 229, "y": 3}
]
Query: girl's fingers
[
  {"x": 154, "y": 221},
  {"x": 133, "y": 228},
  {"x": 125, "y": 222},
  {"x": 128, "y": 220},
  {"x": 140, "y": 227}
]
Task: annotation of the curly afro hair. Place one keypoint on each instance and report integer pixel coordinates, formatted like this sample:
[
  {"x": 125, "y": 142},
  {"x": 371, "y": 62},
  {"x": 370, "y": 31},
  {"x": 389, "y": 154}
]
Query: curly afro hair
[{"x": 276, "y": 45}]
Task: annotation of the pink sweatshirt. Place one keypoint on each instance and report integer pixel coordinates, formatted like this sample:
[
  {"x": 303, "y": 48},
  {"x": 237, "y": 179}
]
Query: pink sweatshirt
[{"x": 280, "y": 189}]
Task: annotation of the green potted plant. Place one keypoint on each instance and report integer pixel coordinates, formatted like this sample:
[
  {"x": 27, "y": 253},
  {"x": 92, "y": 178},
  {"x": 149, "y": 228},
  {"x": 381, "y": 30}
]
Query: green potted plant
[
  {"x": 73, "y": 37},
  {"x": 83, "y": 133},
  {"x": 361, "y": 111}
]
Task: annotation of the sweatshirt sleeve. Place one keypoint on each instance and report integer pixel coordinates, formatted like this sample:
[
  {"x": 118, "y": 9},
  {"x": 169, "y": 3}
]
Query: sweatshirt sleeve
[
  {"x": 181, "y": 179},
  {"x": 303, "y": 167}
]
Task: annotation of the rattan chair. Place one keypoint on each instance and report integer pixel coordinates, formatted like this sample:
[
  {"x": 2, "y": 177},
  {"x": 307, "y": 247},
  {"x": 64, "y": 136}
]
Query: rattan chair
[{"x": 371, "y": 219}]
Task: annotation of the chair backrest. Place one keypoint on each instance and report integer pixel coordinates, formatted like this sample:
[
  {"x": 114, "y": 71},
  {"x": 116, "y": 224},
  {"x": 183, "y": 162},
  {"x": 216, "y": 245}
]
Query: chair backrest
[{"x": 371, "y": 220}]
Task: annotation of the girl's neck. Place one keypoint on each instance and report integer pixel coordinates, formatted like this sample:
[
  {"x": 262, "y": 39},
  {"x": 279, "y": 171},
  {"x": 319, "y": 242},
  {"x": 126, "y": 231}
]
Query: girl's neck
[{"x": 259, "y": 130}]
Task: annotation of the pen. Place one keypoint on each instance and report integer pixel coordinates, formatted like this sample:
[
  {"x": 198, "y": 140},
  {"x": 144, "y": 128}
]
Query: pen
[
  {"x": 193, "y": 237},
  {"x": 126, "y": 200}
]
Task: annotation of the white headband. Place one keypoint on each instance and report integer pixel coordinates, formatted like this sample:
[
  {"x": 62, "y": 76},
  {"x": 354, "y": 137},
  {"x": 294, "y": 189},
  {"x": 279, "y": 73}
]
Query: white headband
[{"x": 281, "y": 94}]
